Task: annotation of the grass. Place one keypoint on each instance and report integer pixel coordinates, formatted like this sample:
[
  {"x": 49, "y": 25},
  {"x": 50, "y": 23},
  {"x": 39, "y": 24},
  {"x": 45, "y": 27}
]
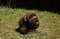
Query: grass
[{"x": 49, "y": 24}]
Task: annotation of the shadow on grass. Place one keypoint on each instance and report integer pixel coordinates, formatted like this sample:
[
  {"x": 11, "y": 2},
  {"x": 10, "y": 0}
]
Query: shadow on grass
[
  {"x": 32, "y": 32},
  {"x": 47, "y": 5}
]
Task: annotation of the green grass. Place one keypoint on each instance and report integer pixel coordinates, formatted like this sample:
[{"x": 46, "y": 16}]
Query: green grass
[{"x": 49, "y": 24}]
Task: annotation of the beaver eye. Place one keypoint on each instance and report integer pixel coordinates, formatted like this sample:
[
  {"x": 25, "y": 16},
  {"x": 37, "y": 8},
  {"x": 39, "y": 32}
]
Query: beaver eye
[{"x": 34, "y": 20}]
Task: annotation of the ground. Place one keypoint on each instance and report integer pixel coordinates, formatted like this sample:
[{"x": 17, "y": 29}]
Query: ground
[{"x": 49, "y": 24}]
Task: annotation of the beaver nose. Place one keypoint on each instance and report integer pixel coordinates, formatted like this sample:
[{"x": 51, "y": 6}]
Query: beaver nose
[{"x": 37, "y": 24}]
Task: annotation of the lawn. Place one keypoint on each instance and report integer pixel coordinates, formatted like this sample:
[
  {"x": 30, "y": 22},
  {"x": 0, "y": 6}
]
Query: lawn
[{"x": 49, "y": 24}]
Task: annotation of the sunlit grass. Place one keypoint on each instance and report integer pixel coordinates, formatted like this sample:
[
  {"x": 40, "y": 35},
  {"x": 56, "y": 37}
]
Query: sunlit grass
[{"x": 49, "y": 24}]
